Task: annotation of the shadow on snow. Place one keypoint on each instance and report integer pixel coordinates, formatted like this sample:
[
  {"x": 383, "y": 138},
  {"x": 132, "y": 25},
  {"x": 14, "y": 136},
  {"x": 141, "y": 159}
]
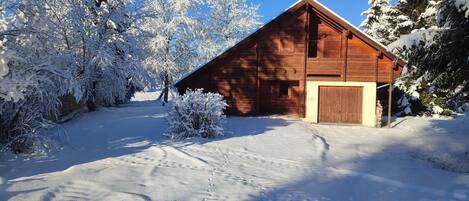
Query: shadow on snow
[
  {"x": 394, "y": 172},
  {"x": 116, "y": 132}
]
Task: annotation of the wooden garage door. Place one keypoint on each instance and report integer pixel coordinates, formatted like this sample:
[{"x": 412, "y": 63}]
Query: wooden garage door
[{"x": 340, "y": 104}]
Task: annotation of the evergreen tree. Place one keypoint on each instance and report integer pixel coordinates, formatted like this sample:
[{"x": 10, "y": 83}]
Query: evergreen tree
[
  {"x": 379, "y": 18},
  {"x": 445, "y": 60},
  {"x": 432, "y": 36},
  {"x": 386, "y": 22},
  {"x": 415, "y": 15},
  {"x": 440, "y": 54}
]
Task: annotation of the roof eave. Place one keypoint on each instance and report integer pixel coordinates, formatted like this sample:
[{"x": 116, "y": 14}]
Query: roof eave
[
  {"x": 328, "y": 12},
  {"x": 292, "y": 8}
]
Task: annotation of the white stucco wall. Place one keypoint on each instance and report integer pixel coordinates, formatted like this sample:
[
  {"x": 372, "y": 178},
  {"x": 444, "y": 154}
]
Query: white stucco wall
[{"x": 369, "y": 100}]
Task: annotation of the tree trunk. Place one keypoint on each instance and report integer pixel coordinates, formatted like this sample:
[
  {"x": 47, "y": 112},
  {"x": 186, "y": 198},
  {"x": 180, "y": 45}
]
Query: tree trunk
[
  {"x": 166, "y": 89},
  {"x": 160, "y": 96},
  {"x": 91, "y": 105},
  {"x": 165, "y": 93},
  {"x": 90, "y": 102}
]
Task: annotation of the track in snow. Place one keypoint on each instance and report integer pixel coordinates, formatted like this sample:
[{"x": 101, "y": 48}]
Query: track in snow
[{"x": 116, "y": 154}]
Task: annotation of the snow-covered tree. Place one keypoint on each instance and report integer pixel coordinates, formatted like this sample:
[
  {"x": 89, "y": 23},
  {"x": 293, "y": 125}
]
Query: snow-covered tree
[
  {"x": 196, "y": 114},
  {"x": 53, "y": 48},
  {"x": 379, "y": 18},
  {"x": 463, "y": 6},
  {"x": 92, "y": 45},
  {"x": 440, "y": 54},
  {"x": 386, "y": 22},
  {"x": 103, "y": 47},
  {"x": 4, "y": 24},
  {"x": 31, "y": 74},
  {"x": 427, "y": 19},
  {"x": 415, "y": 15},
  {"x": 185, "y": 34},
  {"x": 170, "y": 37},
  {"x": 224, "y": 24},
  {"x": 95, "y": 50}
]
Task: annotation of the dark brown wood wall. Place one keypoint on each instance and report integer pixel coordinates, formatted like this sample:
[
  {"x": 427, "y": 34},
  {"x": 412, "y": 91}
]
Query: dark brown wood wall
[
  {"x": 286, "y": 50},
  {"x": 273, "y": 97},
  {"x": 282, "y": 57},
  {"x": 274, "y": 53}
]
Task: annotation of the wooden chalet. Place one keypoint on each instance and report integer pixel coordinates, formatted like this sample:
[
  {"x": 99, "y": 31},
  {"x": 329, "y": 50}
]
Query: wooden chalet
[{"x": 308, "y": 62}]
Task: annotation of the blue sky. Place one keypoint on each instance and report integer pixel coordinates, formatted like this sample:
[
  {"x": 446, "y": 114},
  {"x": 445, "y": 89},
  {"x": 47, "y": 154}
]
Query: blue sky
[{"x": 348, "y": 9}]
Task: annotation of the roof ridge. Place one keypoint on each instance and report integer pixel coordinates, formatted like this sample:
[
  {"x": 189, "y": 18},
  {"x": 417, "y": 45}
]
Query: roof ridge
[
  {"x": 247, "y": 36},
  {"x": 299, "y": 2},
  {"x": 349, "y": 23}
]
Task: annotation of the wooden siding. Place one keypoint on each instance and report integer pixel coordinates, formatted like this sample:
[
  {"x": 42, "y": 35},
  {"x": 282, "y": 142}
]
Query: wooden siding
[
  {"x": 340, "y": 104},
  {"x": 303, "y": 44},
  {"x": 274, "y": 102},
  {"x": 277, "y": 53},
  {"x": 342, "y": 55}
]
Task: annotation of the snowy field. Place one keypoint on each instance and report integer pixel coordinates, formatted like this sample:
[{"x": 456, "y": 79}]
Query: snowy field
[{"x": 120, "y": 154}]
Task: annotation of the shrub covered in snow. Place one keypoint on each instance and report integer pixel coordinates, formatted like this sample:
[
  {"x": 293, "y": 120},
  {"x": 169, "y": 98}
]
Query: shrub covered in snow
[{"x": 196, "y": 114}]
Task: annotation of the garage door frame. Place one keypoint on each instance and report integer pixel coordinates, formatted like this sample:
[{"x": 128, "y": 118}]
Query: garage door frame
[
  {"x": 368, "y": 105},
  {"x": 340, "y": 104}
]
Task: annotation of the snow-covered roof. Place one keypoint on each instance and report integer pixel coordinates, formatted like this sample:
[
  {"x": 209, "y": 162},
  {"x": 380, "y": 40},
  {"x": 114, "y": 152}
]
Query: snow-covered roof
[{"x": 315, "y": 2}]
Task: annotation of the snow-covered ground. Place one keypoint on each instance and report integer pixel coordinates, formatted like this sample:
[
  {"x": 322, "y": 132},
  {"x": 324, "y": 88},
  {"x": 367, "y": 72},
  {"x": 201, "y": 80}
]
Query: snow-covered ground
[
  {"x": 146, "y": 96},
  {"x": 120, "y": 154}
]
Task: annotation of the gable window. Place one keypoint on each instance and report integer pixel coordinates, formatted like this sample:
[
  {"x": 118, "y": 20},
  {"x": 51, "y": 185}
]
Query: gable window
[
  {"x": 313, "y": 49},
  {"x": 284, "y": 89},
  {"x": 313, "y": 36},
  {"x": 325, "y": 38}
]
